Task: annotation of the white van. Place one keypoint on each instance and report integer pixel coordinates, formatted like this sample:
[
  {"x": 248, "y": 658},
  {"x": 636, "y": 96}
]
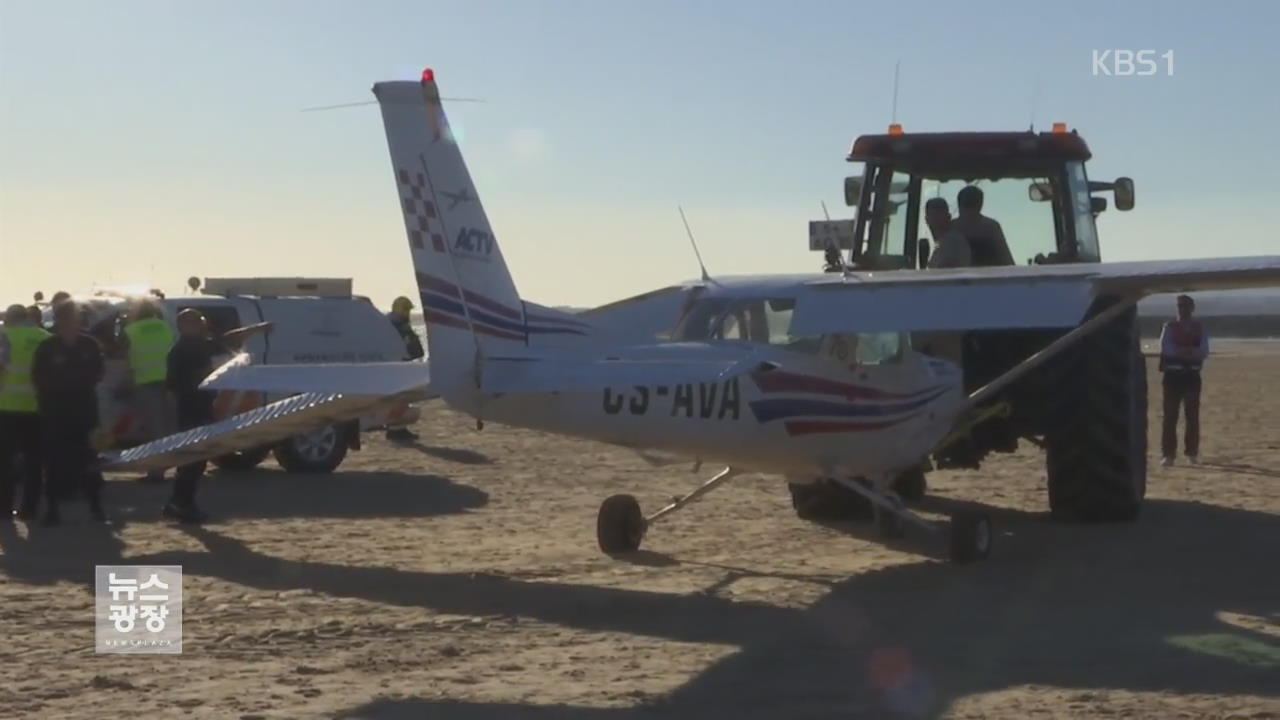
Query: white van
[{"x": 314, "y": 321}]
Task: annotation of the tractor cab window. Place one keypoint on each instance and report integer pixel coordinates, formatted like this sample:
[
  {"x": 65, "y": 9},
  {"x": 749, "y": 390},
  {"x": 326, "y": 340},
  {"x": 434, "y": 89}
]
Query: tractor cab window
[
  {"x": 1025, "y": 216},
  {"x": 1083, "y": 213},
  {"x": 1027, "y": 227}
]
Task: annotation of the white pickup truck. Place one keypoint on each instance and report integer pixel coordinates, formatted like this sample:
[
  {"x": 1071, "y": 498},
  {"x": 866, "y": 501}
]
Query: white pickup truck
[{"x": 315, "y": 321}]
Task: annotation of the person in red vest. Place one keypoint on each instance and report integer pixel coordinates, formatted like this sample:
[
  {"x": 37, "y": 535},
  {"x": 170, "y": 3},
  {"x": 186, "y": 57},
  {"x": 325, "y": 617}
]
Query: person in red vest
[{"x": 1183, "y": 349}]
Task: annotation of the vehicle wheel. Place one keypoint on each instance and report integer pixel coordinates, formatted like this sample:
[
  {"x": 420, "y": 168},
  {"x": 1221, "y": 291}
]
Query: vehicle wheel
[
  {"x": 243, "y": 459},
  {"x": 1096, "y": 446},
  {"x": 910, "y": 486},
  {"x": 620, "y": 525},
  {"x": 318, "y": 451},
  {"x": 825, "y": 500},
  {"x": 970, "y": 537}
]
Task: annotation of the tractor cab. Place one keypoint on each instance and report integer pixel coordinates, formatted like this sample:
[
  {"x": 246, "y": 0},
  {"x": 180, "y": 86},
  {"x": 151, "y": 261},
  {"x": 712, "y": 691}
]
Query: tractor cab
[{"x": 1034, "y": 185}]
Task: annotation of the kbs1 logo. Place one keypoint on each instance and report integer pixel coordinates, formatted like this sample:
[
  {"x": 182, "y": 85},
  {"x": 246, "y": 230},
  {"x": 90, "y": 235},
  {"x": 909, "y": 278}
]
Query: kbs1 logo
[{"x": 1128, "y": 63}]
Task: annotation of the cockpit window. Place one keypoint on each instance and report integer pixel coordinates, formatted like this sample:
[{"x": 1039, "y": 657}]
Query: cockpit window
[
  {"x": 751, "y": 320},
  {"x": 769, "y": 321}
]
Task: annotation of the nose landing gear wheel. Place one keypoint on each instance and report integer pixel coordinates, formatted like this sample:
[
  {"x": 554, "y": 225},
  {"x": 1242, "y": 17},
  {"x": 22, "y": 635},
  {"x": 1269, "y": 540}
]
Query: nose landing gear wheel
[
  {"x": 970, "y": 537},
  {"x": 620, "y": 525}
]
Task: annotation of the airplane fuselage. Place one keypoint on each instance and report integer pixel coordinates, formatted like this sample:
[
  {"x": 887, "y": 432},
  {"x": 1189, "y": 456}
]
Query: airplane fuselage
[{"x": 809, "y": 416}]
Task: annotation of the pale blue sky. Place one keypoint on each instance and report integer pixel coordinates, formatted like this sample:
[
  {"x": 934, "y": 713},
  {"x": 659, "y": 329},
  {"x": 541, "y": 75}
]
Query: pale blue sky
[{"x": 148, "y": 141}]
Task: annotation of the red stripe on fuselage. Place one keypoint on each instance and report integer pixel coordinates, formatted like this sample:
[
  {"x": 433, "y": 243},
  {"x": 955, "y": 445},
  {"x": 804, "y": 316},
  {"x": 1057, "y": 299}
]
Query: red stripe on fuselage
[
  {"x": 444, "y": 287},
  {"x": 813, "y": 427},
  {"x": 781, "y": 381}
]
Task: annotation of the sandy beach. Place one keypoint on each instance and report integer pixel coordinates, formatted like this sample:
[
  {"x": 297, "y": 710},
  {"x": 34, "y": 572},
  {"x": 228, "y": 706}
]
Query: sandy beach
[{"x": 459, "y": 579}]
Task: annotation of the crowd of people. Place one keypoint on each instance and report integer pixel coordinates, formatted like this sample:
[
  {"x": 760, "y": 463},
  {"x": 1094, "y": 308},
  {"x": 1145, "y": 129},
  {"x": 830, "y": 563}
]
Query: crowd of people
[
  {"x": 49, "y": 402},
  {"x": 49, "y": 378}
]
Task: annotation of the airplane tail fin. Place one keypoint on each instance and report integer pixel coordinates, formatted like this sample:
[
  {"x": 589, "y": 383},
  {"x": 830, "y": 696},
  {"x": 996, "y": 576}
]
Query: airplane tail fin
[{"x": 469, "y": 301}]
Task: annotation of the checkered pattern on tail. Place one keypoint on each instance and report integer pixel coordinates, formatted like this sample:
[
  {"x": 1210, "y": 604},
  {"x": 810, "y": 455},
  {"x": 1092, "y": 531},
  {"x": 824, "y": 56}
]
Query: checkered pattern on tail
[{"x": 419, "y": 210}]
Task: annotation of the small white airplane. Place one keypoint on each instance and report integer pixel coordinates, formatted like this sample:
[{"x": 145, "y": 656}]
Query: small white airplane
[{"x": 807, "y": 377}]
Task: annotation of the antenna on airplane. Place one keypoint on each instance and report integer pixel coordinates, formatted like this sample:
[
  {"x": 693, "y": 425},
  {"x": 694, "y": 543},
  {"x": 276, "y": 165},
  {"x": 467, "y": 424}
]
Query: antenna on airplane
[{"x": 694, "y": 243}]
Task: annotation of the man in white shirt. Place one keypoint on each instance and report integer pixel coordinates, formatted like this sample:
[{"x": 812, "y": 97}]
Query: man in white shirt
[{"x": 952, "y": 247}]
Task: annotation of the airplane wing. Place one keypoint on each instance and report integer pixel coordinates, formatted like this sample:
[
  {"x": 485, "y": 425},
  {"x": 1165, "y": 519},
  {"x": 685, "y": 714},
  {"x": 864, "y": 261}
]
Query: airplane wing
[
  {"x": 261, "y": 426},
  {"x": 1030, "y": 296},
  {"x": 1179, "y": 276},
  {"x": 377, "y": 378}
]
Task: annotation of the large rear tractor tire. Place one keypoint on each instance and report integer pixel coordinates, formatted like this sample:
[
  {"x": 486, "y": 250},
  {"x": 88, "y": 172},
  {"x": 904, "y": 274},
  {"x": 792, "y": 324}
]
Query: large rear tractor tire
[
  {"x": 911, "y": 486},
  {"x": 1096, "y": 447},
  {"x": 825, "y": 500}
]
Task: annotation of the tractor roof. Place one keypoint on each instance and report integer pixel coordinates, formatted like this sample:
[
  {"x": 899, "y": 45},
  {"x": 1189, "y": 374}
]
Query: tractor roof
[{"x": 971, "y": 154}]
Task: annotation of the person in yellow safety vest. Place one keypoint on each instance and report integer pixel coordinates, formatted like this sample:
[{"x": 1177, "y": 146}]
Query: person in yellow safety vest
[
  {"x": 402, "y": 321},
  {"x": 1184, "y": 345},
  {"x": 19, "y": 416},
  {"x": 147, "y": 339}
]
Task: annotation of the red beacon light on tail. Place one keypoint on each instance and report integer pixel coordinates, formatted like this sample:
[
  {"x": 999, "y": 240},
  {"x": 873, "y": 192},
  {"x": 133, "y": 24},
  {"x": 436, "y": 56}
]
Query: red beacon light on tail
[{"x": 428, "y": 75}]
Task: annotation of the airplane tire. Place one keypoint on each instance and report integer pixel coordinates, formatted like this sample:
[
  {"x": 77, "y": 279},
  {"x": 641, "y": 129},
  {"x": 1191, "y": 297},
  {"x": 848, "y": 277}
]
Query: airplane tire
[
  {"x": 824, "y": 500},
  {"x": 970, "y": 537},
  {"x": 242, "y": 459},
  {"x": 1096, "y": 447},
  {"x": 319, "y": 451},
  {"x": 620, "y": 525}
]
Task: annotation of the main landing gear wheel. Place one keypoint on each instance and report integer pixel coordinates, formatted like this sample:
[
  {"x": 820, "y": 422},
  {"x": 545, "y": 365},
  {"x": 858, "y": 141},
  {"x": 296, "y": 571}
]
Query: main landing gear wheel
[
  {"x": 620, "y": 525},
  {"x": 970, "y": 537}
]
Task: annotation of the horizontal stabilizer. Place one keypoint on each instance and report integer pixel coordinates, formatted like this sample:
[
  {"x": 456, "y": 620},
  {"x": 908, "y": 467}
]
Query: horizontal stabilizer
[
  {"x": 378, "y": 378},
  {"x": 262, "y": 426}
]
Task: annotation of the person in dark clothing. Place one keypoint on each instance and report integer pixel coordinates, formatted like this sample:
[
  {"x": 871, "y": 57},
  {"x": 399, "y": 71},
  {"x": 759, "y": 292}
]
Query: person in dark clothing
[
  {"x": 65, "y": 372},
  {"x": 190, "y": 361},
  {"x": 401, "y": 319},
  {"x": 1184, "y": 345}
]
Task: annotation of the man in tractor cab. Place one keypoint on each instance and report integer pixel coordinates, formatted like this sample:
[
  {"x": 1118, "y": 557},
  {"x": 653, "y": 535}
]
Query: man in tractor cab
[
  {"x": 987, "y": 245},
  {"x": 953, "y": 247}
]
